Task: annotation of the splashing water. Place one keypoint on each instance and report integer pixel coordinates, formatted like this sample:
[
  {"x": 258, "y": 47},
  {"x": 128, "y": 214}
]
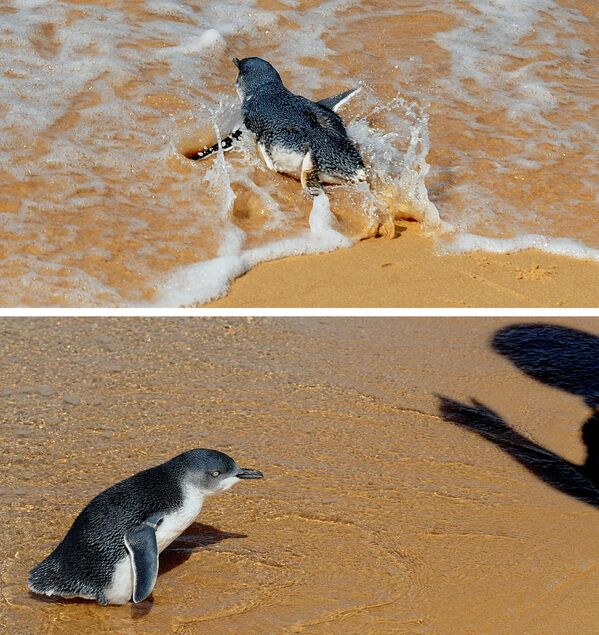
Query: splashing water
[
  {"x": 207, "y": 280},
  {"x": 397, "y": 188},
  {"x": 479, "y": 119}
]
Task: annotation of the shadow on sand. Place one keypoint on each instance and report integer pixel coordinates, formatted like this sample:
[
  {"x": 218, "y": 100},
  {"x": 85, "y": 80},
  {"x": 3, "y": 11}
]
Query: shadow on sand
[
  {"x": 560, "y": 357},
  {"x": 195, "y": 537}
]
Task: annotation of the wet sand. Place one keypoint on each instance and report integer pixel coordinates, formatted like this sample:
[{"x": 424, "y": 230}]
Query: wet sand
[
  {"x": 407, "y": 272},
  {"x": 377, "y": 515},
  {"x": 483, "y": 114}
]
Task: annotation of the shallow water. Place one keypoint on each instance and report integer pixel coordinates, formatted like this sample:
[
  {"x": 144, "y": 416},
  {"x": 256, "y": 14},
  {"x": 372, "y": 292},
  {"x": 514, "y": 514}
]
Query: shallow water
[
  {"x": 101, "y": 100},
  {"x": 376, "y": 515}
]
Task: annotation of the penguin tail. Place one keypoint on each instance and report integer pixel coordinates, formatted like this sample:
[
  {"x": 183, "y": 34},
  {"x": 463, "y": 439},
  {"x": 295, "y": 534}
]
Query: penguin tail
[
  {"x": 51, "y": 579},
  {"x": 225, "y": 144},
  {"x": 45, "y": 578}
]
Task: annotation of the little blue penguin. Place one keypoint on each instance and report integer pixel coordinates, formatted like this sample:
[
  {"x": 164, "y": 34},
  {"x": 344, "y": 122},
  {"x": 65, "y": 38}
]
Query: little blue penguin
[
  {"x": 110, "y": 554},
  {"x": 296, "y": 136}
]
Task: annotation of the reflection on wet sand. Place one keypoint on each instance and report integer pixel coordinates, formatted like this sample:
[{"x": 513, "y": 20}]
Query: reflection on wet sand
[{"x": 376, "y": 516}]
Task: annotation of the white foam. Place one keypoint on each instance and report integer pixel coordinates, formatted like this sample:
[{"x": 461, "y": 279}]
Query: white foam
[
  {"x": 92, "y": 60},
  {"x": 45, "y": 277},
  {"x": 508, "y": 57},
  {"x": 205, "y": 281},
  {"x": 484, "y": 45},
  {"x": 207, "y": 42},
  {"x": 465, "y": 242},
  {"x": 397, "y": 156}
]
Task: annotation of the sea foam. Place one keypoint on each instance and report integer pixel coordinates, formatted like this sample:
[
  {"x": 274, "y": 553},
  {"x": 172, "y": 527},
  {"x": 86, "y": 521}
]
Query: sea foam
[
  {"x": 211, "y": 279},
  {"x": 101, "y": 208}
]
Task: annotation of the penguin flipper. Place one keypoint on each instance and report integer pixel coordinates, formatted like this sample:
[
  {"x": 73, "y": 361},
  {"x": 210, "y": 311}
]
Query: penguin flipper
[
  {"x": 142, "y": 546},
  {"x": 309, "y": 175},
  {"x": 335, "y": 102}
]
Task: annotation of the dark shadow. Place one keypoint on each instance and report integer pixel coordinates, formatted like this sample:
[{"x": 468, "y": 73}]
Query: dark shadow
[
  {"x": 555, "y": 355},
  {"x": 143, "y": 608},
  {"x": 400, "y": 229},
  {"x": 563, "y": 358},
  {"x": 549, "y": 467},
  {"x": 195, "y": 537}
]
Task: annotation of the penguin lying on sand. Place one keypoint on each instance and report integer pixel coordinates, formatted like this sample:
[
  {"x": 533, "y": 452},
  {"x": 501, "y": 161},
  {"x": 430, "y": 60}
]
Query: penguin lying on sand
[
  {"x": 296, "y": 136},
  {"x": 110, "y": 554}
]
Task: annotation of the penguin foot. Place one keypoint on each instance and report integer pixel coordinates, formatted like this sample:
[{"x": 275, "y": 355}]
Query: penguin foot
[
  {"x": 386, "y": 229},
  {"x": 314, "y": 191},
  {"x": 309, "y": 175}
]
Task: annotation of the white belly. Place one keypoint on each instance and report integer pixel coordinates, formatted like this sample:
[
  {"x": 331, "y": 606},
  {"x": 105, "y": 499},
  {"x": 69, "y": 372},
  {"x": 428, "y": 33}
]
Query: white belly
[
  {"x": 121, "y": 586},
  {"x": 172, "y": 526},
  {"x": 281, "y": 159},
  {"x": 175, "y": 524},
  {"x": 289, "y": 162}
]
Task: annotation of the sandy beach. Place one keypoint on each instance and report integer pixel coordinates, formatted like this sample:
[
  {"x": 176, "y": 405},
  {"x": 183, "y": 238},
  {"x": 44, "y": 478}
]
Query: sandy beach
[
  {"x": 469, "y": 117},
  {"x": 380, "y": 510},
  {"x": 407, "y": 272}
]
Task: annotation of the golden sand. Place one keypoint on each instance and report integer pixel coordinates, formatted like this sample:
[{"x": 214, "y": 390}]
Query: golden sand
[
  {"x": 376, "y": 514},
  {"x": 406, "y": 272}
]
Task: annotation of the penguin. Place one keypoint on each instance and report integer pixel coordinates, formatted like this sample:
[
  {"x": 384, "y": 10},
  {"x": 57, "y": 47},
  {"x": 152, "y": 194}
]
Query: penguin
[
  {"x": 111, "y": 552},
  {"x": 295, "y": 136}
]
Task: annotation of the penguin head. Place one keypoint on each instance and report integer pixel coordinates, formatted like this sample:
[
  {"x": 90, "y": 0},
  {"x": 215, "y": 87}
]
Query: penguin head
[
  {"x": 254, "y": 74},
  {"x": 212, "y": 471}
]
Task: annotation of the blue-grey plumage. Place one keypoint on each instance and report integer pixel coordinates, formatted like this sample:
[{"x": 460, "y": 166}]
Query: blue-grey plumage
[
  {"x": 296, "y": 136},
  {"x": 110, "y": 553}
]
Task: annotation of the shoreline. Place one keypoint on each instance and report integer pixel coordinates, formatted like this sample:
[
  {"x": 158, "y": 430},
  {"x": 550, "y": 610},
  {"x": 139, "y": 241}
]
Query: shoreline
[{"x": 407, "y": 272}]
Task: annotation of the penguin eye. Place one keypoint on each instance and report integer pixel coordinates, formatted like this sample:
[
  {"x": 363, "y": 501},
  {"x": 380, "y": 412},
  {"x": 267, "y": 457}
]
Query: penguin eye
[{"x": 215, "y": 474}]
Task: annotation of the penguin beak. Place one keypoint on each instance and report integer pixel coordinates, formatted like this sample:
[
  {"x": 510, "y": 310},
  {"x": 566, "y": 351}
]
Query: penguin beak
[
  {"x": 247, "y": 473},
  {"x": 236, "y": 61}
]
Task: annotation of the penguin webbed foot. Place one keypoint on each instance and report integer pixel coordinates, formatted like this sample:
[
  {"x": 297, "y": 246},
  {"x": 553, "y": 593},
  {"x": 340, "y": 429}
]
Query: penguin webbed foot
[
  {"x": 309, "y": 175},
  {"x": 313, "y": 192},
  {"x": 101, "y": 599}
]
